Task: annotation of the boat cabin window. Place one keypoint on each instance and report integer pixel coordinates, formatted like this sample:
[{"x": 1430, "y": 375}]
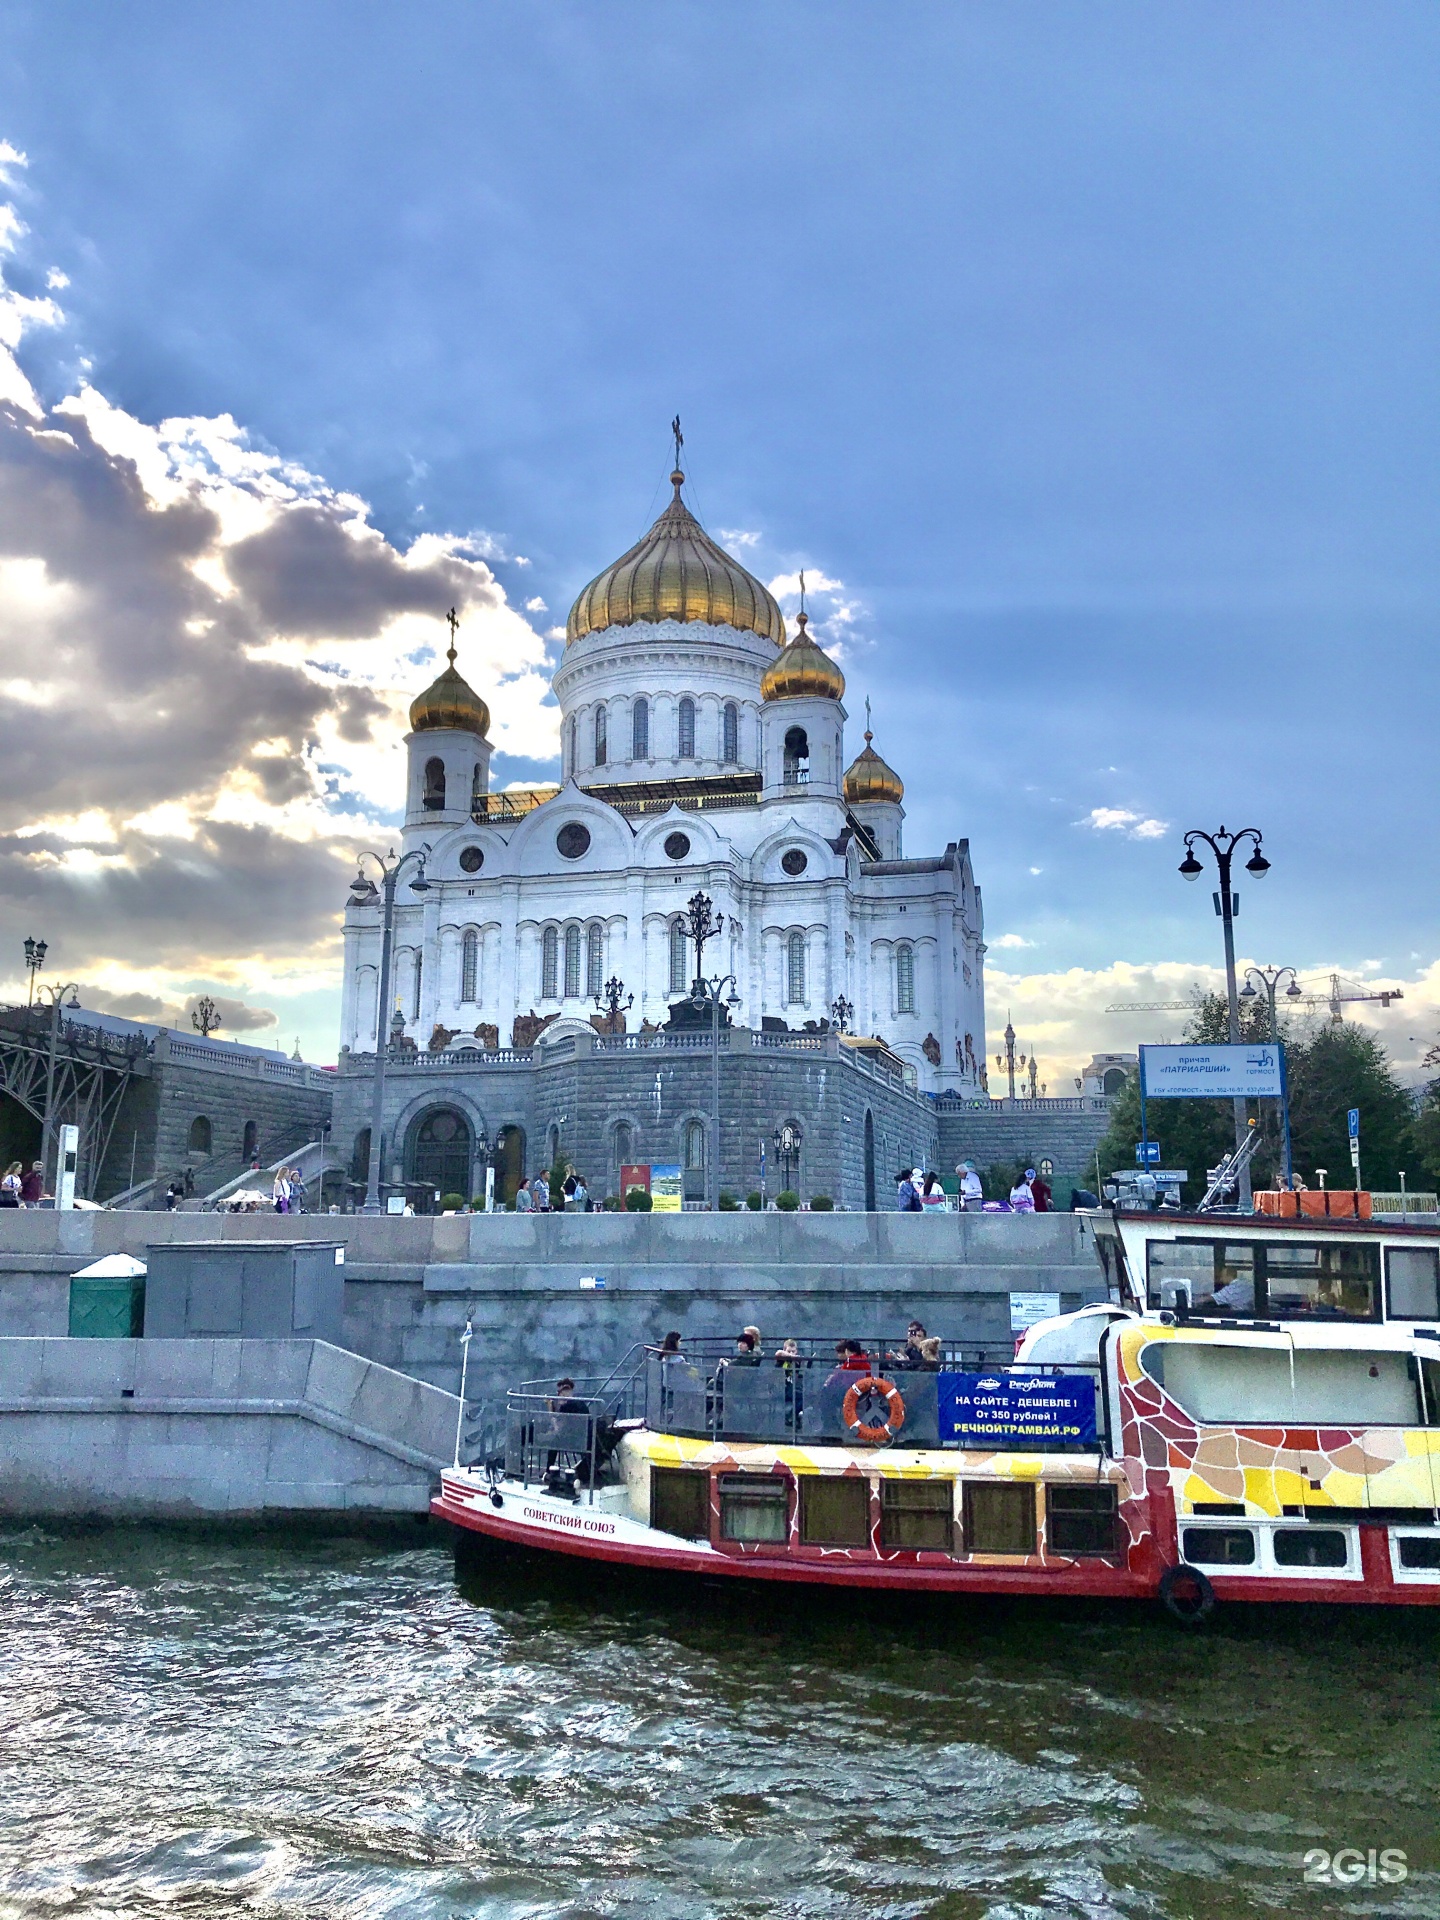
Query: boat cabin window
[
  {"x": 834, "y": 1512},
  {"x": 1274, "y": 1279},
  {"x": 1080, "y": 1519},
  {"x": 917, "y": 1514},
  {"x": 1419, "y": 1555},
  {"x": 680, "y": 1502},
  {"x": 1412, "y": 1283},
  {"x": 999, "y": 1517},
  {"x": 1310, "y": 1547},
  {"x": 1219, "y": 1546},
  {"x": 754, "y": 1506},
  {"x": 1219, "y": 1384}
]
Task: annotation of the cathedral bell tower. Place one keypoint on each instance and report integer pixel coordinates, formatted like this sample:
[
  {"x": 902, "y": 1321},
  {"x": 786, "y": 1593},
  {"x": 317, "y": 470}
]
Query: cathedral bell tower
[
  {"x": 447, "y": 751},
  {"x": 802, "y": 723}
]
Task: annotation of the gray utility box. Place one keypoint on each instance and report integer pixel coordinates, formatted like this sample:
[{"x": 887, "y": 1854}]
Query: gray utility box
[{"x": 254, "y": 1291}]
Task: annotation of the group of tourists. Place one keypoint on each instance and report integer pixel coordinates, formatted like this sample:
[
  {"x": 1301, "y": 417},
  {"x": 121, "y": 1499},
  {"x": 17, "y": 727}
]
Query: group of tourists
[
  {"x": 534, "y": 1196},
  {"x": 920, "y": 1353},
  {"x": 22, "y": 1186},
  {"x": 917, "y": 1192},
  {"x": 287, "y": 1190}
]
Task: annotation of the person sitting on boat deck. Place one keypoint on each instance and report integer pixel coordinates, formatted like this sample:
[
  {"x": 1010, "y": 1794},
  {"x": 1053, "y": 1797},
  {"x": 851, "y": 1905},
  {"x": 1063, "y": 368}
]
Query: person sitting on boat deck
[
  {"x": 787, "y": 1354},
  {"x": 747, "y": 1351},
  {"x": 670, "y": 1347},
  {"x": 851, "y": 1357},
  {"x": 565, "y": 1401},
  {"x": 908, "y": 1357},
  {"x": 1236, "y": 1296},
  {"x": 929, "y": 1355}
]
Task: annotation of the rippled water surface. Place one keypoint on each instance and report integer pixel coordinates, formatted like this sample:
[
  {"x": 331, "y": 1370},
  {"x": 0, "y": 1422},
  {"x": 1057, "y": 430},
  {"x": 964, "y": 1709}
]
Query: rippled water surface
[{"x": 310, "y": 1724}]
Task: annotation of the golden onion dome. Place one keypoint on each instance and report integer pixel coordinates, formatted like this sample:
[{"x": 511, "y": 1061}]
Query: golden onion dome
[
  {"x": 868, "y": 778},
  {"x": 450, "y": 702},
  {"x": 802, "y": 670},
  {"x": 676, "y": 573}
]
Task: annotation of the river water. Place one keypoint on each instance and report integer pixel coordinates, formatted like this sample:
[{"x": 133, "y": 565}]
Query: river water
[{"x": 310, "y": 1724}]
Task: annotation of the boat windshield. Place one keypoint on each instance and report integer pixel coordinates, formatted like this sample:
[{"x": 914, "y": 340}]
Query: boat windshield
[{"x": 1239, "y": 1279}]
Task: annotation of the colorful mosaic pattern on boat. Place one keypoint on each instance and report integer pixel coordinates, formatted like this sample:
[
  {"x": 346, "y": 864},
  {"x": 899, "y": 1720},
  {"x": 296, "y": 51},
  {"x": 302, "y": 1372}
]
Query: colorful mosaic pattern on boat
[{"x": 1269, "y": 1468}]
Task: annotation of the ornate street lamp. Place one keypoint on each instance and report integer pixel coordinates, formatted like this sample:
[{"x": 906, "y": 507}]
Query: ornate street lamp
[
  {"x": 1224, "y": 846},
  {"x": 842, "y": 1013},
  {"x": 613, "y": 1004},
  {"x": 702, "y": 926},
  {"x": 205, "y": 1017},
  {"x": 1010, "y": 1060},
  {"x": 364, "y": 893},
  {"x": 787, "y": 1147},
  {"x": 35, "y": 951}
]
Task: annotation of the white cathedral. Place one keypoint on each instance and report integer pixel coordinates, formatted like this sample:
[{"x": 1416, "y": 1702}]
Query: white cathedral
[{"x": 702, "y": 751}]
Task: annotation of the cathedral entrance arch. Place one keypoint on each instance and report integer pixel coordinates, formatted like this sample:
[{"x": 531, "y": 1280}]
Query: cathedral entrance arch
[
  {"x": 509, "y": 1165},
  {"x": 437, "y": 1157}
]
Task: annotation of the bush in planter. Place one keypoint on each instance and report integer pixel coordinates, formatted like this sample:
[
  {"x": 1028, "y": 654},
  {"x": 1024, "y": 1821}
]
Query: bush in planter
[
  {"x": 612, "y": 1203},
  {"x": 477, "y": 1205},
  {"x": 452, "y": 1202},
  {"x": 728, "y": 1203},
  {"x": 788, "y": 1201},
  {"x": 821, "y": 1203},
  {"x": 754, "y": 1202},
  {"x": 638, "y": 1201}
]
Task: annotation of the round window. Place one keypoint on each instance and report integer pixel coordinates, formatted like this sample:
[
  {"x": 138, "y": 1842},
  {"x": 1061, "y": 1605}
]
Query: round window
[
  {"x": 794, "y": 861},
  {"x": 573, "y": 840},
  {"x": 471, "y": 860},
  {"x": 677, "y": 845}
]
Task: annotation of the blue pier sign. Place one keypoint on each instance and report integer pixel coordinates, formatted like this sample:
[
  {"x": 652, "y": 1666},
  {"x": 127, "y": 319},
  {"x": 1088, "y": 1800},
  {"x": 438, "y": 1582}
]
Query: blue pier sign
[{"x": 1007, "y": 1410}]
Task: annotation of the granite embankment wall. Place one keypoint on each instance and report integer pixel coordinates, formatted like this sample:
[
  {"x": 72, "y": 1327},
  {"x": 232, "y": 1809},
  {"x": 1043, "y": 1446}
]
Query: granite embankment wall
[
  {"x": 412, "y": 1284},
  {"x": 184, "y": 1428}
]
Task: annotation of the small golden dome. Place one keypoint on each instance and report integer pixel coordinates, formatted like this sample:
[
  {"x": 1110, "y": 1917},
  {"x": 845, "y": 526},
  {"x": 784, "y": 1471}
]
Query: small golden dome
[
  {"x": 868, "y": 777},
  {"x": 450, "y": 702},
  {"x": 803, "y": 670},
  {"x": 676, "y": 573}
]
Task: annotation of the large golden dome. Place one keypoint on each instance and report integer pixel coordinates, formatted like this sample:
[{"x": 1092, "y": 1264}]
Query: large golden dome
[
  {"x": 450, "y": 702},
  {"x": 868, "y": 777},
  {"x": 676, "y": 573},
  {"x": 802, "y": 671}
]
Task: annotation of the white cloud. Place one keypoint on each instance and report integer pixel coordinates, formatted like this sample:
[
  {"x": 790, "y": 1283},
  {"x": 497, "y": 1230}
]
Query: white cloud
[
  {"x": 1008, "y": 940},
  {"x": 736, "y": 537},
  {"x": 1135, "y": 826},
  {"x": 537, "y": 605}
]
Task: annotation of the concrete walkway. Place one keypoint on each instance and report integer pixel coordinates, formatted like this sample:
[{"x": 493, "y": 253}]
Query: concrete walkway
[{"x": 180, "y": 1428}]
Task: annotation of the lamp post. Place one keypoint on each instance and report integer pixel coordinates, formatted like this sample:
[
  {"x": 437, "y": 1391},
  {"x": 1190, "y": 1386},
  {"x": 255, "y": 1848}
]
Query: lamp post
[
  {"x": 205, "y": 1017},
  {"x": 706, "y": 993},
  {"x": 1224, "y": 846},
  {"x": 1269, "y": 979},
  {"x": 842, "y": 1013},
  {"x": 1010, "y": 1059},
  {"x": 787, "y": 1147},
  {"x": 364, "y": 893},
  {"x": 35, "y": 951},
  {"x": 703, "y": 926},
  {"x": 47, "y": 1130},
  {"x": 613, "y": 1004}
]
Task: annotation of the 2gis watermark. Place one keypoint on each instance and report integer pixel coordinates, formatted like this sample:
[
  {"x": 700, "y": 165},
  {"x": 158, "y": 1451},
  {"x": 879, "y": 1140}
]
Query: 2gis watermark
[{"x": 1355, "y": 1867}]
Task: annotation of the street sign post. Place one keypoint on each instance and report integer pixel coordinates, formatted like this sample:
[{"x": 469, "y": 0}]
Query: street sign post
[
  {"x": 1353, "y": 1122},
  {"x": 1147, "y": 1153}
]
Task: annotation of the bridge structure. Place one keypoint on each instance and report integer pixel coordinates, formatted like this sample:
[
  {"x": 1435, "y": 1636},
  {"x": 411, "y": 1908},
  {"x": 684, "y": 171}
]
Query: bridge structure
[{"x": 67, "y": 1073}]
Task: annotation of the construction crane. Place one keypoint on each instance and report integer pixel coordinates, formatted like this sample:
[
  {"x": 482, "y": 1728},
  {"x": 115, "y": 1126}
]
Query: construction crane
[{"x": 1343, "y": 993}]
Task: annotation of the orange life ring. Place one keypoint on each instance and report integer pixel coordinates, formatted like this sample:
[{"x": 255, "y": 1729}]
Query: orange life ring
[{"x": 875, "y": 1436}]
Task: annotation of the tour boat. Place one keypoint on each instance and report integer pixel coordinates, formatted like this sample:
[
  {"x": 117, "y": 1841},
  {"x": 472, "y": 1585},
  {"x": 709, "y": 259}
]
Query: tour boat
[{"x": 1254, "y": 1414}]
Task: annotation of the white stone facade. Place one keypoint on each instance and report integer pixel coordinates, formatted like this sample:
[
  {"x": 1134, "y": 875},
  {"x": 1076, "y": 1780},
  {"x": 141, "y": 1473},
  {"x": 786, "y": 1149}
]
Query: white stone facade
[{"x": 743, "y": 816}]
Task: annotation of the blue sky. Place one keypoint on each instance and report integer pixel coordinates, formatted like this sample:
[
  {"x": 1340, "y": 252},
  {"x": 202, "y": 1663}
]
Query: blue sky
[{"x": 1090, "y": 349}]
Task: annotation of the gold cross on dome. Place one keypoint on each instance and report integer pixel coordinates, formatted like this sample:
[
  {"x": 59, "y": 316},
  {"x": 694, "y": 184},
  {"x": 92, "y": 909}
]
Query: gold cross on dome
[{"x": 452, "y": 620}]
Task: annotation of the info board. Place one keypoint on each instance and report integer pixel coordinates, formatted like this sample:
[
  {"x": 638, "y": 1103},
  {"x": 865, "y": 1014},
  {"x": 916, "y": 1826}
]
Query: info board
[{"x": 1007, "y": 1410}]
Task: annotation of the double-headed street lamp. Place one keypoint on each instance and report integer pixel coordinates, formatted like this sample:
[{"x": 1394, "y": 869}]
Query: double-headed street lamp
[
  {"x": 364, "y": 893},
  {"x": 1224, "y": 846},
  {"x": 1269, "y": 979},
  {"x": 35, "y": 951}
]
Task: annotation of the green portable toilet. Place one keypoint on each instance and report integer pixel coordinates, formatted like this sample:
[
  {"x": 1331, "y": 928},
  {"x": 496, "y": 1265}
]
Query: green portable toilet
[{"x": 107, "y": 1300}]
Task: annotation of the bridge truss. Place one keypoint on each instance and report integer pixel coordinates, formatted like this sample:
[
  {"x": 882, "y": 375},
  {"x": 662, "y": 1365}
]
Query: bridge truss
[{"x": 92, "y": 1072}]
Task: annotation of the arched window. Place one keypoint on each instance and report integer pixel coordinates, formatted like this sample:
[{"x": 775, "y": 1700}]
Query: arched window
[
  {"x": 797, "y": 757},
  {"x": 601, "y": 729},
  {"x": 624, "y": 1150},
  {"x": 679, "y": 958},
  {"x": 360, "y": 1158},
  {"x": 477, "y": 791},
  {"x": 469, "y": 965},
  {"x": 250, "y": 1145},
  {"x": 685, "y": 730},
  {"x": 731, "y": 751},
  {"x": 572, "y": 756},
  {"x": 200, "y": 1134},
  {"x": 795, "y": 969},
  {"x": 640, "y": 729},
  {"x": 434, "y": 785},
  {"x": 549, "y": 964},
  {"x": 594, "y": 962},
  {"x": 905, "y": 979},
  {"x": 572, "y": 963},
  {"x": 695, "y": 1146},
  {"x": 418, "y": 963}
]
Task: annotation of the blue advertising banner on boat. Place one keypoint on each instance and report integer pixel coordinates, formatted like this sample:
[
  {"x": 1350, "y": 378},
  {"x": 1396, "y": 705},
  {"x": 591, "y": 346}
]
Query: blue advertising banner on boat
[{"x": 1017, "y": 1409}]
